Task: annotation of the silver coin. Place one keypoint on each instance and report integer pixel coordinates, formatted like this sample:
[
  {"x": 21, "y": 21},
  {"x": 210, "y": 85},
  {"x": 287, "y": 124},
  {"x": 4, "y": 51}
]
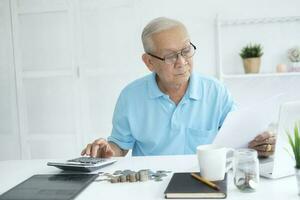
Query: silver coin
[
  {"x": 108, "y": 175},
  {"x": 155, "y": 175},
  {"x": 240, "y": 181},
  {"x": 252, "y": 184},
  {"x": 117, "y": 172},
  {"x": 115, "y": 179},
  {"x": 123, "y": 178},
  {"x": 163, "y": 175},
  {"x": 151, "y": 172},
  {"x": 144, "y": 177},
  {"x": 137, "y": 176},
  {"x": 132, "y": 177},
  {"x": 127, "y": 172}
]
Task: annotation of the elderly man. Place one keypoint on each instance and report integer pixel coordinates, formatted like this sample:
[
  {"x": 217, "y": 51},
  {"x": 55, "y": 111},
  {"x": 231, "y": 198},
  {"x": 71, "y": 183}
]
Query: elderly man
[{"x": 172, "y": 110}]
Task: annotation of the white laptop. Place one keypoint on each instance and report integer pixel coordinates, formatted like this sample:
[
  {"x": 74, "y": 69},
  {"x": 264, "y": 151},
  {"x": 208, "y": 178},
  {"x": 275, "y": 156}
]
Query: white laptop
[
  {"x": 282, "y": 163},
  {"x": 250, "y": 123}
]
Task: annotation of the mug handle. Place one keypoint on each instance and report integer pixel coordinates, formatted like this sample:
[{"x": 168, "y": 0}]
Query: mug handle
[{"x": 229, "y": 158}]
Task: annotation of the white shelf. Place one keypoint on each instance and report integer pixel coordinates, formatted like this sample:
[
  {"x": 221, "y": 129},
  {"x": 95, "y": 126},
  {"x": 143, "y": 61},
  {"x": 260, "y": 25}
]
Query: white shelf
[
  {"x": 221, "y": 23},
  {"x": 252, "y": 90},
  {"x": 239, "y": 22},
  {"x": 260, "y": 75}
]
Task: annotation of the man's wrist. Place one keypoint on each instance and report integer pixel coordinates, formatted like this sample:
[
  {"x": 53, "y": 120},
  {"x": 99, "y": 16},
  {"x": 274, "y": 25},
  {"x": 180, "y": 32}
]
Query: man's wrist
[{"x": 118, "y": 151}]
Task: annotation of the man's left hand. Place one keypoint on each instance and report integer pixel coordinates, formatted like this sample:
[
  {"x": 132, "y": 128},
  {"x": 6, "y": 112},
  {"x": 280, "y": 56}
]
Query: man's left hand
[{"x": 264, "y": 144}]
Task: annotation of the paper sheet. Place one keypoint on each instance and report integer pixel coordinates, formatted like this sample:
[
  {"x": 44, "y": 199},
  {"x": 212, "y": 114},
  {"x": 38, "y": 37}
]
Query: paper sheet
[{"x": 240, "y": 127}]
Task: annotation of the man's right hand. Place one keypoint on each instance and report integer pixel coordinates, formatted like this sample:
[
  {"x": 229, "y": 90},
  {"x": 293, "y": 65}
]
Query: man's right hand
[{"x": 99, "y": 148}]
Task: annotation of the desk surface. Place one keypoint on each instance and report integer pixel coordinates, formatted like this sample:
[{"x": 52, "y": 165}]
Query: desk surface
[{"x": 14, "y": 172}]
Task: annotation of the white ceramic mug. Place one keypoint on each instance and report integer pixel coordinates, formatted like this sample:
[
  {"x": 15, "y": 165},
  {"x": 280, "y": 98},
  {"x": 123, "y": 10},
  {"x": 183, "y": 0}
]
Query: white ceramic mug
[{"x": 214, "y": 161}]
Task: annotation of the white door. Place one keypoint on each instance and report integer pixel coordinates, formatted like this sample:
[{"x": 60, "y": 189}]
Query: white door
[
  {"x": 9, "y": 138},
  {"x": 46, "y": 78}
]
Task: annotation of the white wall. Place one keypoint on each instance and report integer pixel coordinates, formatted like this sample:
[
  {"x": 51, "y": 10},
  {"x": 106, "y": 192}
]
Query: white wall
[{"x": 63, "y": 63}]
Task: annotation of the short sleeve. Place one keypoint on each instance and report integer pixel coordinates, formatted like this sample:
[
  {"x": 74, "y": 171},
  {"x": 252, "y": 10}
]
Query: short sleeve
[{"x": 121, "y": 133}]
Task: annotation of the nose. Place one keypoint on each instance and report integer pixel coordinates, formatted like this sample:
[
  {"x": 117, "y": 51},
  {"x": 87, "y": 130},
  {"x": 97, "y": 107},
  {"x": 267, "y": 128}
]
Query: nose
[{"x": 180, "y": 62}]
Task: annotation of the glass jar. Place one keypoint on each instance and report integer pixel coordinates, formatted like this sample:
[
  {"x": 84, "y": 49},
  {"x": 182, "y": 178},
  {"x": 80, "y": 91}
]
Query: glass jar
[{"x": 246, "y": 170}]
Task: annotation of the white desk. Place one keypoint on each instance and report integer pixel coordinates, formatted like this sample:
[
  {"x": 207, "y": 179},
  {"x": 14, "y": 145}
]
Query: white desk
[{"x": 14, "y": 172}]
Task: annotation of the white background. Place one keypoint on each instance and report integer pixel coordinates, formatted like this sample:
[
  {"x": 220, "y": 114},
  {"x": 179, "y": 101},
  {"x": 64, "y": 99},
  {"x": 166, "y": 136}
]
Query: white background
[{"x": 63, "y": 63}]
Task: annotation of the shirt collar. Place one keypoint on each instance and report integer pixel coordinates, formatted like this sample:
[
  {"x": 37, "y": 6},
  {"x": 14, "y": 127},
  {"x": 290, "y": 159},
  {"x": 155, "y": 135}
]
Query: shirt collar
[
  {"x": 193, "y": 91},
  {"x": 153, "y": 90}
]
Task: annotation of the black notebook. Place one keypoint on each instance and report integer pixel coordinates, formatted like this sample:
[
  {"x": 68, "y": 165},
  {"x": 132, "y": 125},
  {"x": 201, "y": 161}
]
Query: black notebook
[
  {"x": 184, "y": 186},
  {"x": 50, "y": 186}
]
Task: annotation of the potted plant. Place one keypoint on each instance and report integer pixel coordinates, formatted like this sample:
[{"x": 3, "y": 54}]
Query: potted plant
[
  {"x": 294, "y": 57},
  {"x": 251, "y": 57},
  {"x": 294, "y": 141}
]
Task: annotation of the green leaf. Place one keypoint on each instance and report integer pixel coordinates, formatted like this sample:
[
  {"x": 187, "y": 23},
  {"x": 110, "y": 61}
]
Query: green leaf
[
  {"x": 295, "y": 143},
  {"x": 251, "y": 51}
]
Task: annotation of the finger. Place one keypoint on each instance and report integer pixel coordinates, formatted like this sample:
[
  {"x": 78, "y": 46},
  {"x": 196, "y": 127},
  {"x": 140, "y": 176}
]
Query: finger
[
  {"x": 271, "y": 140},
  {"x": 109, "y": 152},
  {"x": 100, "y": 141},
  {"x": 88, "y": 149},
  {"x": 83, "y": 152},
  {"x": 103, "y": 150},
  {"x": 95, "y": 148},
  {"x": 100, "y": 147},
  {"x": 252, "y": 144},
  {"x": 100, "y": 150},
  {"x": 263, "y": 136},
  {"x": 264, "y": 147}
]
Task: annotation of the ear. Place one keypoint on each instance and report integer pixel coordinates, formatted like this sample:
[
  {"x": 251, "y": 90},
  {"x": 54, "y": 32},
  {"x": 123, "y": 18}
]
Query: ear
[{"x": 148, "y": 62}]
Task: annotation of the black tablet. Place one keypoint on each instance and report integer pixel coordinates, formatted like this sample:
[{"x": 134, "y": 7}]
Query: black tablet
[{"x": 50, "y": 186}]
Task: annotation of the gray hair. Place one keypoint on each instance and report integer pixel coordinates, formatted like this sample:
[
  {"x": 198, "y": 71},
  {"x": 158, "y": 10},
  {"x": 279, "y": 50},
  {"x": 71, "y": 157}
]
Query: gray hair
[{"x": 155, "y": 26}]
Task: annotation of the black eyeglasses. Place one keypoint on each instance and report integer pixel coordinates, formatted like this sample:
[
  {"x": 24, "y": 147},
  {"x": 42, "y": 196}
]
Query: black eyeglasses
[{"x": 186, "y": 52}]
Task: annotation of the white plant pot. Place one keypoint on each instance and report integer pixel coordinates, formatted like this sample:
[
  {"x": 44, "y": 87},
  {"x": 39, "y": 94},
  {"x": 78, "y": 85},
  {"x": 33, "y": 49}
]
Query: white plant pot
[{"x": 297, "y": 174}]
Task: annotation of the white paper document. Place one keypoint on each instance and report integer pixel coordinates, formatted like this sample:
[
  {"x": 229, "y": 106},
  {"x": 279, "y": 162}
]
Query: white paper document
[{"x": 240, "y": 127}]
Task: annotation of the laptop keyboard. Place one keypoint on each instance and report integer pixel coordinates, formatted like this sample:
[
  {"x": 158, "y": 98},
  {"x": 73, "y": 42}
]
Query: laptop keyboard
[
  {"x": 266, "y": 160},
  {"x": 88, "y": 160}
]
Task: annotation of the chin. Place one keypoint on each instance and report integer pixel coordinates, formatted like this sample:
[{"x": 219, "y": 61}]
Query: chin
[{"x": 183, "y": 79}]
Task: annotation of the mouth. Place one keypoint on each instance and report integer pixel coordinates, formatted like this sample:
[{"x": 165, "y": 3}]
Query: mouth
[{"x": 181, "y": 74}]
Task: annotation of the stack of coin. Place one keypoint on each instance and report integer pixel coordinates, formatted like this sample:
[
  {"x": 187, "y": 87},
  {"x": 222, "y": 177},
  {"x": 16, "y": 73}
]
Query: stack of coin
[
  {"x": 132, "y": 176},
  {"x": 115, "y": 179},
  {"x": 143, "y": 175},
  {"x": 123, "y": 178}
]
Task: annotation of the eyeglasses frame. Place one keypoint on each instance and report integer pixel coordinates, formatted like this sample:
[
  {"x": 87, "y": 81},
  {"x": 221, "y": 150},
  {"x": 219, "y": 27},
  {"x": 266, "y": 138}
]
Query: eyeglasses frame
[{"x": 180, "y": 52}]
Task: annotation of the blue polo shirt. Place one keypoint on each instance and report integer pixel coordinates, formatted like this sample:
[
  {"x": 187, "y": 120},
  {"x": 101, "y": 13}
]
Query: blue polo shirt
[{"x": 147, "y": 121}]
